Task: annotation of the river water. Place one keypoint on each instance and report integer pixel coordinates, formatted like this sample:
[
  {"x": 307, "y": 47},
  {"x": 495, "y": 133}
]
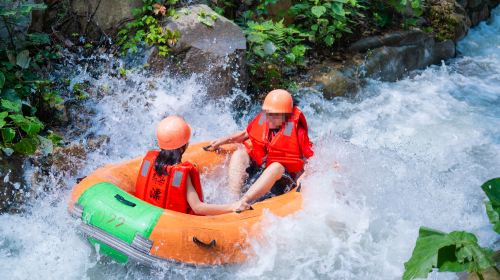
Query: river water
[{"x": 399, "y": 156}]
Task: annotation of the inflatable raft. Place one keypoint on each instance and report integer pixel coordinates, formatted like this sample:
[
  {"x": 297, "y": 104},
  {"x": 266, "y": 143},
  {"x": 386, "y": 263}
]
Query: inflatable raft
[{"x": 128, "y": 228}]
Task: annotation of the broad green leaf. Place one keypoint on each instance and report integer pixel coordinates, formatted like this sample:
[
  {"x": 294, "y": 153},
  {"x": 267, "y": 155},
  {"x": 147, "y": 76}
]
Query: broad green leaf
[
  {"x": 26, "y": 146},
  {"x": 456, "y": 251},
  {"x": 55, "y": 138},
  {"x": 3, "y": 115},
  {"x": 2, "y": 80},
  {"x": 38, "y": 38},
  {"x": 299, "y": 50},
  {"x": 269, "y": 48},
  {"x": 11, "y": 106},
  {"x": 329, "y": 40},
  {"x": 32, "y": 126},
  {"x": 46, "y": 145},
  {"x": 338, "y": 9},
  {"x": 492, "y": 190},
  {"x": 318, "y": 11},
  {"x": 2, "y": 122},
  {"x": 290, "y": 58},
  {"x": 8, "y": 135},
  {"x": 23, "y": 59}
]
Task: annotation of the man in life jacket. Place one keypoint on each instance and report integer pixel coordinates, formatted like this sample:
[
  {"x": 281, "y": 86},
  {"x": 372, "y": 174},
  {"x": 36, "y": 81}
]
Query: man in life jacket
[
  {"x": 166, "y": 182},
  {"x": 276, "y": 146}
]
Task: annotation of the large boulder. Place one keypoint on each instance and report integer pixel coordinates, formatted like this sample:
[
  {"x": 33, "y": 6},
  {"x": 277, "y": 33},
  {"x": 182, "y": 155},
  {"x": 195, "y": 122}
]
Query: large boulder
[
  {"x": 388, "y": 58},
  {"x": 214, "y": 50},
  {"x": 101, "y": 17}
]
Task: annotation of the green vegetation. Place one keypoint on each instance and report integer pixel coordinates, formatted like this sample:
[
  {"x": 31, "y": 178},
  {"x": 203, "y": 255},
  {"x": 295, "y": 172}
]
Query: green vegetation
[
  {"x": 456, "y": 251},
  {"x": 146, "y": 27},
  {"x": 24, "y": 93},
  {"x": 280, "y": 43}
]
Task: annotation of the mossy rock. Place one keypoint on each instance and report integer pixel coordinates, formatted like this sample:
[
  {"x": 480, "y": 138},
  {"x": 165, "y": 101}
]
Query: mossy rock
[{"x": 448, "y": 19}]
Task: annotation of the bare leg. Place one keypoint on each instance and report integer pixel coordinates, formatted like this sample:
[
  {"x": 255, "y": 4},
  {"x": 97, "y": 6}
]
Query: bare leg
[
  {"x": 265, "y": 182},
  {"x": 237, "y": 170}
]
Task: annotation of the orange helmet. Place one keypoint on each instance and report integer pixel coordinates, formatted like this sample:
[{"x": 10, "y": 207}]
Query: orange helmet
[
  {"x": 278, "y": 101},
  {"x": 173, "y": 132}
]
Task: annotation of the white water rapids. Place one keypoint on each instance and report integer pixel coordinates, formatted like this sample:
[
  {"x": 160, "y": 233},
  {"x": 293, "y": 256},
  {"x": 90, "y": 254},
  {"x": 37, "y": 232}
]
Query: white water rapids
[{"x": 411, "y": 153}]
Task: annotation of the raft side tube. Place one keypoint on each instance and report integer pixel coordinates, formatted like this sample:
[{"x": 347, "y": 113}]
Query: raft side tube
[{"x": 114, "y": 211}]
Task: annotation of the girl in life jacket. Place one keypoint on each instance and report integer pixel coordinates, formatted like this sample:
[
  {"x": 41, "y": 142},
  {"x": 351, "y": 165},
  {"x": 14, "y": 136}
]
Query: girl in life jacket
[
  {"x": 166, "y": 182},
  {"x": 276, "y": 146}
]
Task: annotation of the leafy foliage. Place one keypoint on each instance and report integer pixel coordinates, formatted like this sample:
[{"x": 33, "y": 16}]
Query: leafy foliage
[
  {"x": 385, "y": 12},
  {"x": 492, "y": 190},
  {"x": 324, "y": 21},
  {"x": 454, "y": 252},
  {"x": 272, "y": 48},
  {"x": 23, "y": 91},
  {"x": 146, "y": 27}
]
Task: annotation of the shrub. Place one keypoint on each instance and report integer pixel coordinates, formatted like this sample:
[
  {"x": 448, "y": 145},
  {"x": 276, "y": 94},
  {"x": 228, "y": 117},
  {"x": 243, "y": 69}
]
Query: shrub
[
  {"x": 24, "y": 93},
  {"x": 146, "y": 27}
]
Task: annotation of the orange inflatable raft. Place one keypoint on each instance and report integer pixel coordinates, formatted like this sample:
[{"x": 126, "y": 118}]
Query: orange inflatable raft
[{"x": 127, "y": 228}]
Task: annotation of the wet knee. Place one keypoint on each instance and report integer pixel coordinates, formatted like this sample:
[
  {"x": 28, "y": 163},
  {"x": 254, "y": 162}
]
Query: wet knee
[{"x": 277, "y": 168}]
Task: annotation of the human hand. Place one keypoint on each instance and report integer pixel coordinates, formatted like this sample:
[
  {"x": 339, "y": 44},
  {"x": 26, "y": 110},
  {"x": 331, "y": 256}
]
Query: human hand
[
  {"x": 214, "y": 145},
  {"x": 240, "y": 206}
]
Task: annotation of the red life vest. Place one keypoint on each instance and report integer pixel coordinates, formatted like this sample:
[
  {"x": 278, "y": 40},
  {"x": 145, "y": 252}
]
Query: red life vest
[
  {"x": 168, "y": 191},
  {"x": 284, "y": 146}
]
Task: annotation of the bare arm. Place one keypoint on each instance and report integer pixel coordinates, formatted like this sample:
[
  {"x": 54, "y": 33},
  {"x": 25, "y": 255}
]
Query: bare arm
[
  {"x": 238, "y": 137},
  {"x": 202, "y": 208}
]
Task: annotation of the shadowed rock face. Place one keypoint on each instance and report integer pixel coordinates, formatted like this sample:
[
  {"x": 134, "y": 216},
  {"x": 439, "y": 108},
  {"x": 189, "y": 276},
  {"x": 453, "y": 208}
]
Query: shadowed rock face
[
  {"x": 215, "y": 53},
  {"x": 103, "y": 16},
  {"x": 387, "y": 58}
]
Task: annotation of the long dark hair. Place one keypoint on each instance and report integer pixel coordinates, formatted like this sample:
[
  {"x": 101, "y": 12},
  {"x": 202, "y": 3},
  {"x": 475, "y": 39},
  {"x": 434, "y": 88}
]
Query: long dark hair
[{"x": 168, "y": 157}]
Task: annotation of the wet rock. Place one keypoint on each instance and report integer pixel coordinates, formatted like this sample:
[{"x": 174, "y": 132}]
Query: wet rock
[
  {"x": 387, "y": 58},
  {"x": 448, "y": 19},
  {"x": 215, "y": 53},
  {"x": 479, "y": 14},
  {"x": 11, "y": 183},
  {"x": 398, "y": 38},
  {"x": 333, "y": 80},
  {"x": 391, "y": 63},
  {"x": 102, "y": 17}
]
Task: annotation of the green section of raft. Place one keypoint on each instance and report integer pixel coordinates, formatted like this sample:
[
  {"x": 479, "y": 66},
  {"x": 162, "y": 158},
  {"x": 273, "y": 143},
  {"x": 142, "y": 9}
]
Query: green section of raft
[{"x": 118, "y": 213}]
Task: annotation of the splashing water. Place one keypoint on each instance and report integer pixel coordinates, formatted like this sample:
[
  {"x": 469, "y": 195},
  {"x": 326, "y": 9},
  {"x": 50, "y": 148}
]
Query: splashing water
[{"x": 402, "y": 155}]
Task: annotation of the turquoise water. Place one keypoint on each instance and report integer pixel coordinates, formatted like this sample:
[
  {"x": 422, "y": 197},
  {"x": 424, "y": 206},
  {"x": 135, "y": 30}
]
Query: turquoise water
[{"x": 410, "y": 153}]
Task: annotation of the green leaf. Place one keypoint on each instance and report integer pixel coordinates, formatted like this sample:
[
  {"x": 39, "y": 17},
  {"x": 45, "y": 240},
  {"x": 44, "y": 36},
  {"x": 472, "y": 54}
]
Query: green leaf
[
  {"x": 492, "y": 190},
  {"x": 55, "y": 138},
  {"x": 269, "y": 48},
  {"x": 338, "y": 9},
  {"x": 46, "y": 145},
  {"x": 23, "y": 59},
  {"x": 12, "y": 106},
  {"x": 32, "y": 127},
  {"x": 329, "y": 40},
  {"x": 290, "y": 58},
  {"x": 318, "y": 11},
  {"x": 38, "y": 38},
  {"x": 456, "y": 251},
  {"x": 2, "y": 80},
  {"x": 26, "y": 146},
  {"x": 8, "y": 135}
]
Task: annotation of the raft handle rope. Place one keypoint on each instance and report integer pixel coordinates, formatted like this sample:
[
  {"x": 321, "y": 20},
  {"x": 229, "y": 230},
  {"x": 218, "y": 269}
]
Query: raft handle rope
[
  {"x": 203, "y": 244},
  {"x": 124, "y": 201}
]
